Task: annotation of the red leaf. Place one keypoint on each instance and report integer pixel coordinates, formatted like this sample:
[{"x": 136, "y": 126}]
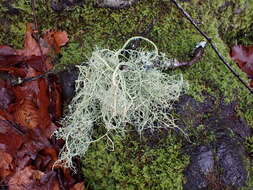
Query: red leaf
[
  {"x": 6, "y": 165},
  {"x": 7, "y": 51},
  {"x": 56, "y": 39},
  {"x": 10, "y": 139},
  {"x": 243, "y": 56},
  {"x": 78, "y": 186},
  {"x": 31, "y": 179},
  {"x": 27, "y": 114}
]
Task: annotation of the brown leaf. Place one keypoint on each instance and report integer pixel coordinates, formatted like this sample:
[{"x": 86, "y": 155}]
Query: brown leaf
[
  {"x": 243, "y": 56},
  {"x": 27, "y": 114},
  {"x": 78, "y": 186},
  {"x": 8, "y": 56},
  {"x": 61, "y": 38},
  {"x": 10, "y": 139},
  {"x": 56, "y": 39},
  {"x": 7, "y": 51},
  {"x": 6, "y": 165},
  {"x": 34, "y": 52},
  {"x": 24, "y": 179},
  {"x": 31, "y": 179}
]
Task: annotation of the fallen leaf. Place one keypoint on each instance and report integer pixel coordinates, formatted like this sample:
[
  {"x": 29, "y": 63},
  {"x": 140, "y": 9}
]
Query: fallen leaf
[
  {"x": 35, "y": 52},
  {"x": 31, "y": 179},
  {"x": 31, "y": 47},
  {"x": 78, "y": 186},
  {"x": 10, "y": 139},
  {"x": 6, "y": 165},
  {"x": 56, "y": 39},
  {"x": 243, "y": 56},
  {"x": 27, "y": 114}
]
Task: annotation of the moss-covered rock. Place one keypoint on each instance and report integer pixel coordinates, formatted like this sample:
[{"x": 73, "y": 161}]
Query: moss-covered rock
[{"x": 226, "y": 22}]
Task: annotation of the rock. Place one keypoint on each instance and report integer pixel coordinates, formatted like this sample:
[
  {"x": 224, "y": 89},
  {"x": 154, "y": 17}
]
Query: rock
[
  {"x": 61, "y": 5},
  {"x": 202, "y": 163},
  {"x": 230, "y": 161},
  {"x": 67, "y": 81},
  {"x": 217, "y": 163}
]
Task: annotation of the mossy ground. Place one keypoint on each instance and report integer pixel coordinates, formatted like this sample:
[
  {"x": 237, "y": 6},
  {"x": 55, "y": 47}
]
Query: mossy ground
[{"x": 88, "y": 27}]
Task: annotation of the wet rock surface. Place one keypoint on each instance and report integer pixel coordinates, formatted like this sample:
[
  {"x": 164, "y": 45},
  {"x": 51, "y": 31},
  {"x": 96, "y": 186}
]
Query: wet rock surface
[{"x": 216, "y": 153}]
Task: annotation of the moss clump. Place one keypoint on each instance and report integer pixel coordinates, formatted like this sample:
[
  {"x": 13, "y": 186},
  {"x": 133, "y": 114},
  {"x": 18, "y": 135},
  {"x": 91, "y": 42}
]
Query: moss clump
[{"x": 135, "y": 166}]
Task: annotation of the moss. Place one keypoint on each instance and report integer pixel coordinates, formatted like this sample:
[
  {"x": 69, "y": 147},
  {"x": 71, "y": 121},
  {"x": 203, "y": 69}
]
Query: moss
[
  {"x": 134, "y": 165},
  {"x": 72, "y": 54}
]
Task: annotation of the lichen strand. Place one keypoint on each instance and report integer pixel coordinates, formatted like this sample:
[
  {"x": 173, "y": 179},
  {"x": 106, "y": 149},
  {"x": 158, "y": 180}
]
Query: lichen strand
[{"x": 227, "y": 22}]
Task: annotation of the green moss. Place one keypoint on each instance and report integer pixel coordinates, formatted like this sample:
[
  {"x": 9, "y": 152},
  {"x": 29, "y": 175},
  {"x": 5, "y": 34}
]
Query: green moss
[
  {"x": 73, "y": 53},
  {"x": 134, "y": 165}
]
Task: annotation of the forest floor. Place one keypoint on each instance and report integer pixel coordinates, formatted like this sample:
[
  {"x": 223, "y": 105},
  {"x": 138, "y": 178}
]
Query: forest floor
[{"x": 216, "y": 111}]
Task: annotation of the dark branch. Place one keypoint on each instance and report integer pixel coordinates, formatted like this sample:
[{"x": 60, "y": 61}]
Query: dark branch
[
  {"x": 15, "y": 126},
  {"x": 212, "y": 44},
  {"x": 21, "y": 81}
]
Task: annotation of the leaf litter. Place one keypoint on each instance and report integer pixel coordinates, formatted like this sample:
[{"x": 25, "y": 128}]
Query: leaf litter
[{"x": 27, "y": 148}]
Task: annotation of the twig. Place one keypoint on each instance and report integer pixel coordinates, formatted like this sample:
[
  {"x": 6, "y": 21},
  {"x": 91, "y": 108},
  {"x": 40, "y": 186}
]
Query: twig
[
  {"x": 212, "y": 44},
  {"x": 36, "y": 31},
  {"x": 14, "y": 126},
  {"x": 21, "y": 81},
  {"x": 60, "y": 178}
]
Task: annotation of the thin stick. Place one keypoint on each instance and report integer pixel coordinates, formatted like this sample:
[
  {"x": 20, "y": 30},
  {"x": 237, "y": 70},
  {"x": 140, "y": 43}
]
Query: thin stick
[
  {"x": 36, "y": 31},
  {"x": 29, "y": 79},
  {"x": 15, "y": 126},
  {"x": 212, "y": 44}
]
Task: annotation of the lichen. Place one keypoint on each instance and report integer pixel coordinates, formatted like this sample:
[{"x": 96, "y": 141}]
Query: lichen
[{"x": 137, "y": 95}]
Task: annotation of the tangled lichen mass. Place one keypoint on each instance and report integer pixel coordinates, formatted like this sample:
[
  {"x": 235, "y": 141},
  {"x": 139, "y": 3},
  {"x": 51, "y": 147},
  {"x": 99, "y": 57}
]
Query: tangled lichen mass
[{"x": 118, "y": 89}]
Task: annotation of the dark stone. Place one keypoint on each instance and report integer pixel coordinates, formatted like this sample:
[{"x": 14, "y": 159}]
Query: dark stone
[
  {"x": 67, "y": 81},
  {"x": 61, "y": 5},
  {"x": 201, "y": 164},
  {"x": 6, "y": 97},
  {"x": 230, "y": 160},
  {"x": 216, "y": 164}
]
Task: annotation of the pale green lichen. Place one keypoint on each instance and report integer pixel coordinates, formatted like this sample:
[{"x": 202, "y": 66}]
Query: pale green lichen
[{"x": 118, "y": 97}]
